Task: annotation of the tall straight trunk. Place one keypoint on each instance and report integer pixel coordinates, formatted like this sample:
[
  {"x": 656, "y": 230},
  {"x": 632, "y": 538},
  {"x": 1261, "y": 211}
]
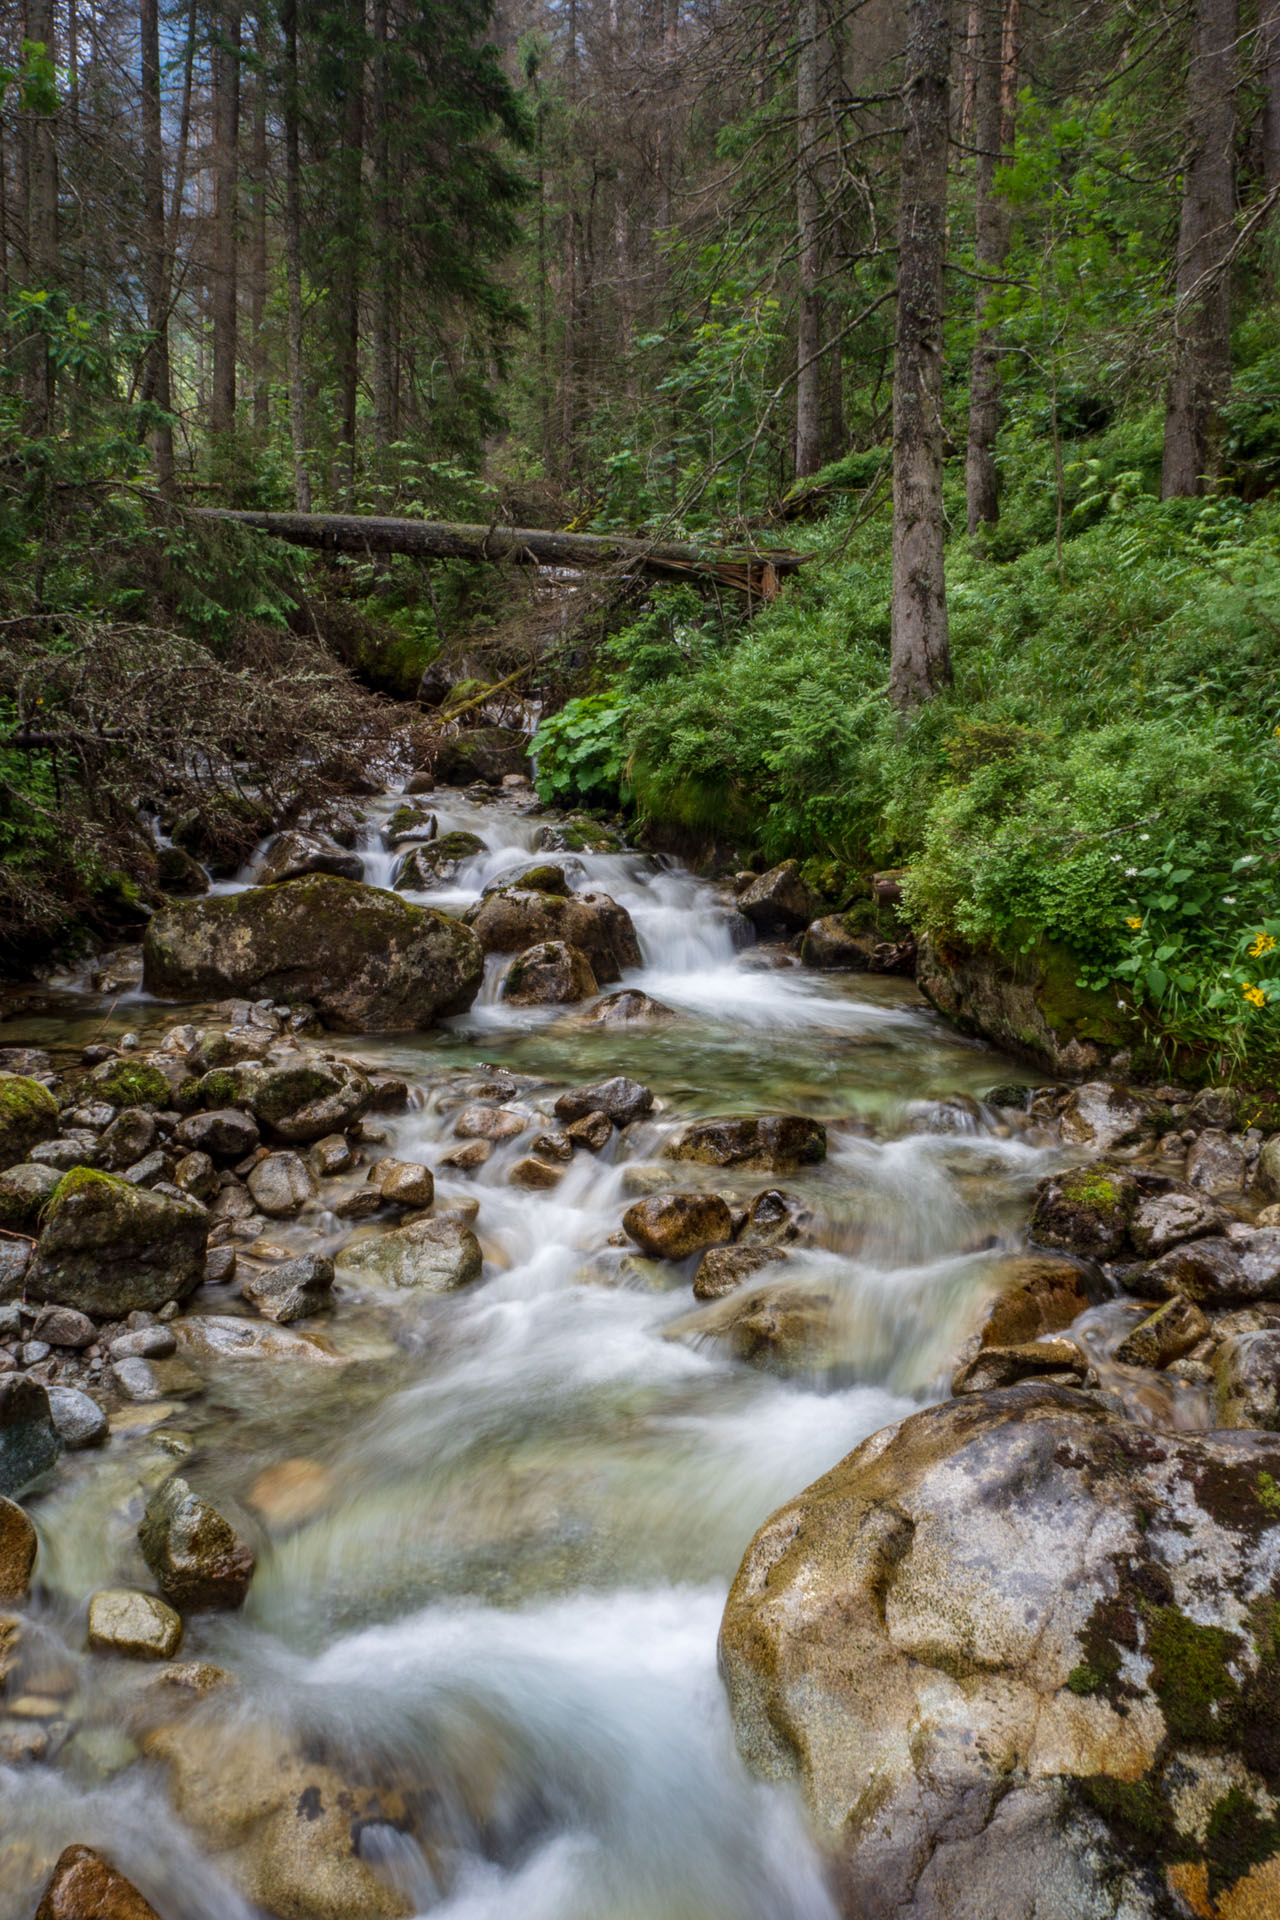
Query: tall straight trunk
[
  {"x": 809, "y": 423},
  {"x": 994, "y": 100},
  {"x": 1269, "y": 63},
  {"x": 43, "y": 258},
  {"x": 920, "y": 654},
  {"x": 383, "y": 356},
  {"x": 226, "y": 143},
  {"x": 293, "y": 260},
  {"x": 258, "y": 241},
  {"x": 155, "y": 379},
  {"x": 972, "y": 63},
  {"x": 1201, "y": 371},
  {"x": 347, "y": 289}
]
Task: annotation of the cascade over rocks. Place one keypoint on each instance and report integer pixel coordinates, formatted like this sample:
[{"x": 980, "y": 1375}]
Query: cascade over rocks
[
  {"x": 776, "y": 1143},
  {"x": 1017, "y": 1645},
  {"x": 516, "y": 918},
  {"x": 367, "y": 960}
]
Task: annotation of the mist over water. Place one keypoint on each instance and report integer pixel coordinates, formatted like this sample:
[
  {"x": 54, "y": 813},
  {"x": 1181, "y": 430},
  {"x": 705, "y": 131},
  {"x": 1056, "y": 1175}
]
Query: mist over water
[{"x": 524, "y": 1502}]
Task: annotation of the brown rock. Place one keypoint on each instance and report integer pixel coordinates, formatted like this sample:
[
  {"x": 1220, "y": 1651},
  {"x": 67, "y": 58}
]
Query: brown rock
[
  {"x": 674, "y": 1225},
  {"x": 84, "y": 1886},
  {"x": 403, "y": 1183},
  {"x": 17, "y": 1551},
  {"x": 593, "y": 1132},
  {"x": 722, "y": 1270},
  {"x": 535, "y": 1174},
  {"x": 488, "y": 1123},
  {"x": 467, "y": 1158},
  {"x": 1037, "y": 1297},
  {"x": 1164, "y": 1335},
  {"x": 192, "y": 1551},
  {"x": 1061, "y": 1361},
  {"x": 778, "y": 1143}
]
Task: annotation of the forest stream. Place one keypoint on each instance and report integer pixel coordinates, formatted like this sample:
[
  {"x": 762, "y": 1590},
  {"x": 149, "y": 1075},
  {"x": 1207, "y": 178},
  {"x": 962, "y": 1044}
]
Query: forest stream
[{"x": 494, "y": 1529}]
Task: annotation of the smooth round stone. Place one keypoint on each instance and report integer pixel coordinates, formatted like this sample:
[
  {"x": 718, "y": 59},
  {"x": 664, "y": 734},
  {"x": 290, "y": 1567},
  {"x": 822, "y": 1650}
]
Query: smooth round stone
[
  {"x": 122, "y": 1620},
  {"x": 148, "y": 1343},
  {"x": 77, "y": 1418},
  {"x": 136, "y": 1380}
]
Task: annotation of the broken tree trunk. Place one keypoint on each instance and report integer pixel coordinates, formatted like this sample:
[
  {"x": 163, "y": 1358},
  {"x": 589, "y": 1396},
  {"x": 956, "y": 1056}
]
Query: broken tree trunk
[{"x": 755, "y": 574}]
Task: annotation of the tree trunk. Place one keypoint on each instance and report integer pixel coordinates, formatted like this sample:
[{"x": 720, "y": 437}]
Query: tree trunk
[
  {"x": 1269, "y": 63},
  {"x": 226, "y": 132},
  {"x": 347, "y": 291},
  {"x": 1201, "y": 370},
  {"x": 809, "y": 434},
  {"x": 43, "y": 259},
  {"x": 258, "y": 253},
  {"x": 155, "y": 380},
  {"x": 293, "y": 259},
  {"x": 383, "y": 359},
  {"x": 920, "y": 661},
  {"x": 991, "y": 236}
]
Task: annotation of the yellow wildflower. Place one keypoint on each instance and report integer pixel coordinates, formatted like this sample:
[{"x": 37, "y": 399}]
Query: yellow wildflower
[
  {"x": 1254, "y": 995},
  {"x": 1132, "y": 920},
  {"x": 1265, "y": 943}
]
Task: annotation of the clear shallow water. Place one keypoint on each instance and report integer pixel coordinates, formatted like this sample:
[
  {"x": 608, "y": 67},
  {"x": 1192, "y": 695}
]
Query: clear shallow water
[{"x": 494, "y": 1541}]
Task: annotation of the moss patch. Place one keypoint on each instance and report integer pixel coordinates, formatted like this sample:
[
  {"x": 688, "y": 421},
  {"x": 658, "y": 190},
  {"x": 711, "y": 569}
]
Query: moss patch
[
  {"x": 129, "y": 1083},
  {"x": 1189, "y": 1673}
]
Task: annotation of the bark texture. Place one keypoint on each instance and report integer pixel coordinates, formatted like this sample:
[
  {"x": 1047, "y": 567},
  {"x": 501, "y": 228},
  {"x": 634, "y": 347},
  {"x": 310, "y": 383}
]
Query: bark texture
[
  {"x": 920, "y": 662},
  {"x": 991, "y": 237},
  {"x": 226, "y": 143},
  {"x": 155, "y": 248},
  {"x": 809, "y": 434},
  {"x": 1201, "y": 370}
]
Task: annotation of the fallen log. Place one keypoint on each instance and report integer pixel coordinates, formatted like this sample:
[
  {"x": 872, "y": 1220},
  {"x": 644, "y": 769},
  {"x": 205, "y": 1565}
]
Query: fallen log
[{"x": 754, "y": 573}]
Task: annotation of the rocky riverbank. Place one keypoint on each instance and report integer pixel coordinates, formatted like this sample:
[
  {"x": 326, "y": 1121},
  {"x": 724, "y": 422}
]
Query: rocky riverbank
[{"x": 1018, "y": 1638}]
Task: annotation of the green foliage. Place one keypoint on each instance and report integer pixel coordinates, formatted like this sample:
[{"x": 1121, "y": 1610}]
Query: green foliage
[{"x": 580, "y": 754}]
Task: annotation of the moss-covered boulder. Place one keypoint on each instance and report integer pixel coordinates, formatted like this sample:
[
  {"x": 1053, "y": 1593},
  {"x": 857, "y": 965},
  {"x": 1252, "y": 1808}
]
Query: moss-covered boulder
[
  {"x": 1032, "y": 1007},
  {"x": 437, "y": 864},
  {"x": 109, "y": 1248},
  {"x": 367, "y": 960},
  {"x": 1021, "y": 1656},
  {"x": 28, "y": 1115},
  {"x": 129, "y": 1083},
  {"x": 482, "y": 753},
  {"x": 1086, "y": 1210},
  {"x": 553, "y": 974}
]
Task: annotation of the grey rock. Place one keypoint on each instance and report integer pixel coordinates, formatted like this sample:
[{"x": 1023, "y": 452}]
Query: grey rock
[
  {"x": 956, "y": 1612},
  {"x": 1247, "y": 1379},
  {"x": 146, "y": 1343},
  {"x": 1102, "y": 1116},
  {"x": 129, "y": 1138},
  {"x": 29, "y": 1441},
  {"x": 24, "y": 1190},
  {"x": 779, "y": 901},
  {"x": 1216, "y": 1162},
  {"x": 137, "y": 1379},
  {"x": 1164, "y": 1220},
  {"x": 622, "y": 1099},
  {"x": 108, "y": 1247},
  {"x": 79, "y": 1419},
  {"x": 292, "y": 1291},
  {"x": 224, "y": 1133},
  {"x": 434, "y": 1255},
  {"x": 149, "y": 1172},
  {"x": 64, "y": 1327},
  {"x": 292, "y": 854},
  {"x": 281, "y": 1184},
  {"x": 1232, "y": 1270}
]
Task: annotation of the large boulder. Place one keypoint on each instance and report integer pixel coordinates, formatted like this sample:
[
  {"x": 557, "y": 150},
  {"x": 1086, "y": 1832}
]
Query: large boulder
[
  {"x": 552, "y": 974},
  {"x": 110, "y": 1248},
  {"x": 29, "y": 1441},
  {"x": 434, "y": 1255},
  {"x": 435, "y": 865},
  {"x": 1020, "y": 1657},
  {"x": 1233, "y": 1270},
  {"x": 775, "y": 1143},
  {"x": 292, "y": 854},
  {"x": 281, "y": 1816},
  {"x": 367, "y": 960},
  {"x": 516, "y": 918},
  {"x": 834, "y": 944},
  {"x": 1102, "y": 1116},
  {"x": 482, "y": 753},
  {"x": 28, "y": 1115},
  {"x": 779, "y": 901}
]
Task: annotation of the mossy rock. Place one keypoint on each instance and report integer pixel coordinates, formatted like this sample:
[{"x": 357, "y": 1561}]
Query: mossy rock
[
  {"x": 24, "y": 1190},
  {"x": 129, "y": 1083},
  {"x": 28, "y": 1115},
  {"x": 481, "y": 753},
  {"x": 178, "y": 873},
  {"x": 109, "y": 1248},
  {"x": 365, "y": 959},
  {"x": 1032, "y": 1005}
]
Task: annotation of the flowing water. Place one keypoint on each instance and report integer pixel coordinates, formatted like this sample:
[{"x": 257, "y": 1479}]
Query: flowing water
[{"x": 495, "y": 1530}]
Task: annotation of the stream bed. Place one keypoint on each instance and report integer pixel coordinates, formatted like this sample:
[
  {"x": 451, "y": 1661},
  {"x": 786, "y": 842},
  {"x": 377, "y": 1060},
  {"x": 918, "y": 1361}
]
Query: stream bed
[{"x": 495, "y": 1529}]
